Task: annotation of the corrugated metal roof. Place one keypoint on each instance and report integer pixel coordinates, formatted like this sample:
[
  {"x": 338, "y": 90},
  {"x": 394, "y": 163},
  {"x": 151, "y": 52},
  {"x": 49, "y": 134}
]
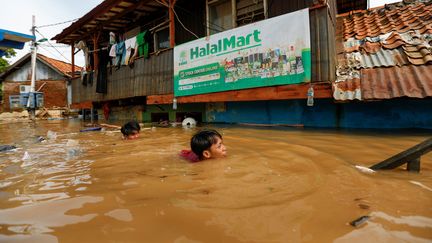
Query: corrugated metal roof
[
  {"x": 350, "y": 89},
  {"x": 407, "y": 81},
  {"x": 375, "y": 45},
  {"x": 382, "y": 58}
]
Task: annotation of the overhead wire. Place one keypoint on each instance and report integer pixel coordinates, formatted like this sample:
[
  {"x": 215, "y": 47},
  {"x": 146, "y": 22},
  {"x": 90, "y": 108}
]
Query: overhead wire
[
  {"x": 47, "y": 25},
  {"x": 53, "y": 46},
  {"x": 56, "y": 46},
  {"x": 177, "y": 17},
  {"x": 208, "y": 22},
  {"x": 46, "y": 49},
  {"x": 183, "y": 24}
]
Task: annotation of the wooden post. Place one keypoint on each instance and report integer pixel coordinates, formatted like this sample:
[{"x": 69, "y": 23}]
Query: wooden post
[
  {"x": 73, "y": 60},
  {"x": 414, "y": 165},
  {"x": 234, "y": 14},
  {"x": 172, "y": 22},
  {"x": 91, "y": 115},
  {"x": 95, "y": 47}
]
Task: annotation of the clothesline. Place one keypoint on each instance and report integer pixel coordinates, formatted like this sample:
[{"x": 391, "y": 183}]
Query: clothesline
[{"x": 100, "y": 49}]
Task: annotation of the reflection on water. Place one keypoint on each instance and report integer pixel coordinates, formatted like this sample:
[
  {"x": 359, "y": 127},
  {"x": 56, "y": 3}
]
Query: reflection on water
[{"x": 276, "y": 185}]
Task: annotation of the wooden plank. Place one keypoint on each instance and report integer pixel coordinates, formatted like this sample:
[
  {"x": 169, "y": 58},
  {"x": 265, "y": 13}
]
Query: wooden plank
[
  {"x": 284, "y": 92},
  {"x": 411, "y": 156},
  {"x": 82, "y": 105},
  {"x": 160, "y": 99}
]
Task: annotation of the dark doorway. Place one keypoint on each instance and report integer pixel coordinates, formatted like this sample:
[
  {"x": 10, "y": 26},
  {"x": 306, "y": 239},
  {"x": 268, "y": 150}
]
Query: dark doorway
[{"x": 159, "y": 116}]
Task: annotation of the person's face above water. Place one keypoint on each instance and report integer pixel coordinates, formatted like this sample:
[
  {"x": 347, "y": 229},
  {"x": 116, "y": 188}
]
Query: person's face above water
[
  {"x": 134, "y": 135},
  {"x": 217, "y": 150}
]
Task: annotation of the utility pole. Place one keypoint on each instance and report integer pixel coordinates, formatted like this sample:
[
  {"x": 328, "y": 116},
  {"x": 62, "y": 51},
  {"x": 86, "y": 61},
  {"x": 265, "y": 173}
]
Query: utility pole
[{"x": 32, "y": 108}]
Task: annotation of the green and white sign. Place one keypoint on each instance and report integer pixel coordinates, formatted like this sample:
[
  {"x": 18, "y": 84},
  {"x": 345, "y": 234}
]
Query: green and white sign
[{"x": 271, "y": 52}]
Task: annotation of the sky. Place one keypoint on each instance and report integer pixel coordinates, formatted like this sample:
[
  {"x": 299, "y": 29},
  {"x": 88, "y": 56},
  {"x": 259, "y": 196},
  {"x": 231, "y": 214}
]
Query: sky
[{"x": 17, "y": 16}]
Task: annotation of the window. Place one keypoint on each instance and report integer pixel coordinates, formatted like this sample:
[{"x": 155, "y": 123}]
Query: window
[
  {"x": 161, "y": 38},
  {"x": 250, "y": 11},
  {"x": 219, "y": 16},
  {"x": 220, "y": 13}
]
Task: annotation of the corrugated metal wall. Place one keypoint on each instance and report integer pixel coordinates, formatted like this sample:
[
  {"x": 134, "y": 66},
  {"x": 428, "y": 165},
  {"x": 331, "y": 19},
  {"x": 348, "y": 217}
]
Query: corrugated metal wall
[
  {"x": 151, "y": 76},
  {"x": 322, "y": 27}
]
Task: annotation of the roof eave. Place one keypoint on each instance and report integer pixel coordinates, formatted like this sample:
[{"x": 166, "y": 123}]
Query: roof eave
[{"x": 90, "y": 15}]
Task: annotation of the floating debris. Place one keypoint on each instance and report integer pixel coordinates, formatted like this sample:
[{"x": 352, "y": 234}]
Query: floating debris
[
  {"x": 364, "y": 169},
  {"x": 363, "y": 206},
  {"x": 359, "y": 221},
  {"x": 26, "y": 156},
  {"x": 421, "y": 185},
  {"x": 72, "y": 143},
  {"x": 90, "y": 129},
  {"x": 51, "y": 135},
  {"x": 4, "y": 148},
  {"x": 40, "y": 139}
]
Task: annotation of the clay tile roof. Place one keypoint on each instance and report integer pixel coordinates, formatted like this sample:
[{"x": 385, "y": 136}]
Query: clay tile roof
[
  {"x": 411, "y": 17},
  {"x": 385, "y": 52},
  {"x": 62, "y": 67}
]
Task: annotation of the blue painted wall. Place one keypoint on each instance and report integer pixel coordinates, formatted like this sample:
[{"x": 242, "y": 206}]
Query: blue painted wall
[{"x": 395, "y": 113}]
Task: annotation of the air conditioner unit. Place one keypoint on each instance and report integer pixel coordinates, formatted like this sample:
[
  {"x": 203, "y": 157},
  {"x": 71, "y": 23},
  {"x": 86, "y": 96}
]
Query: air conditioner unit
[{"x": 24, "y": 89}]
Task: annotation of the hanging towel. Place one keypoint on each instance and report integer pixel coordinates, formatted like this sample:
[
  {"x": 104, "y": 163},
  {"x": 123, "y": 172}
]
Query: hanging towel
[
  {"x": 120, "y": 49},
  {"x": 112, "y": 52},
  {"x": 129, "y": 46},
  {"x": 143, "y": 44},
  {"x": 82, "y": 46}
]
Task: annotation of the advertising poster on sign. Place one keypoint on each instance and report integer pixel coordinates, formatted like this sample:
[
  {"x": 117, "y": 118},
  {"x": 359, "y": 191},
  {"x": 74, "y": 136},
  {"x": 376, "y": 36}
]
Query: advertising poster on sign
[{"x": 271, "y": 52}]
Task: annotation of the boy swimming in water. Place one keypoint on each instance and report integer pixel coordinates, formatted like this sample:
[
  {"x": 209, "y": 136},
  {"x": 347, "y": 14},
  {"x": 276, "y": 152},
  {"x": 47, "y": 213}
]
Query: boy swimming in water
[
  {"x": 130, "y": 130},
  {"x": 206, "y": 144}
]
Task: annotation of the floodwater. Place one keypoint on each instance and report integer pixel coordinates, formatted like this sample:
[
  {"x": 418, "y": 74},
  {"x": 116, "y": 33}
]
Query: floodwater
[{"x": 276, "y": 185}]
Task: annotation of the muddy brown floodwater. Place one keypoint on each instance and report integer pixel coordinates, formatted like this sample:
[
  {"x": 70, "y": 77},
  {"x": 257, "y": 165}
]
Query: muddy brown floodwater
[{"x": 276, "y": 185}]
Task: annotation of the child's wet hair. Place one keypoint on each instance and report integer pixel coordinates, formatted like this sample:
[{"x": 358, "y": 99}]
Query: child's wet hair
[
  {"x": 203, "y": 140},
  {"x": 130, "y": 128}
]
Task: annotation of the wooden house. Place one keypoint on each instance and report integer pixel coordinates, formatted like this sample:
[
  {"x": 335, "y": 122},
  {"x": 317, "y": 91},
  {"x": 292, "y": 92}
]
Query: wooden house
[{"x": 144, "y": 86}]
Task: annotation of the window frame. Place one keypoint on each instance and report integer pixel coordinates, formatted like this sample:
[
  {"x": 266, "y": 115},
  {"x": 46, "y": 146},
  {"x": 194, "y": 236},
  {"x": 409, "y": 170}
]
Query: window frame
[
  {"x": 155, "y": 37},
  {"x": 209, "y": 3}
]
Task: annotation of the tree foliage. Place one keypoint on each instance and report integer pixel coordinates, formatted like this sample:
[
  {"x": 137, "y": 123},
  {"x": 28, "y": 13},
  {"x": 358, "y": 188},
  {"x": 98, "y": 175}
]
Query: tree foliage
[{"x": 4, "y": 64}]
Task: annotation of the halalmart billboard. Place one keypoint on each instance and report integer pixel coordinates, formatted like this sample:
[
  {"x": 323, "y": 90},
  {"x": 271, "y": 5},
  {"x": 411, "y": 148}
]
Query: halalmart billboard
[{"x": 271, "y": 52}]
